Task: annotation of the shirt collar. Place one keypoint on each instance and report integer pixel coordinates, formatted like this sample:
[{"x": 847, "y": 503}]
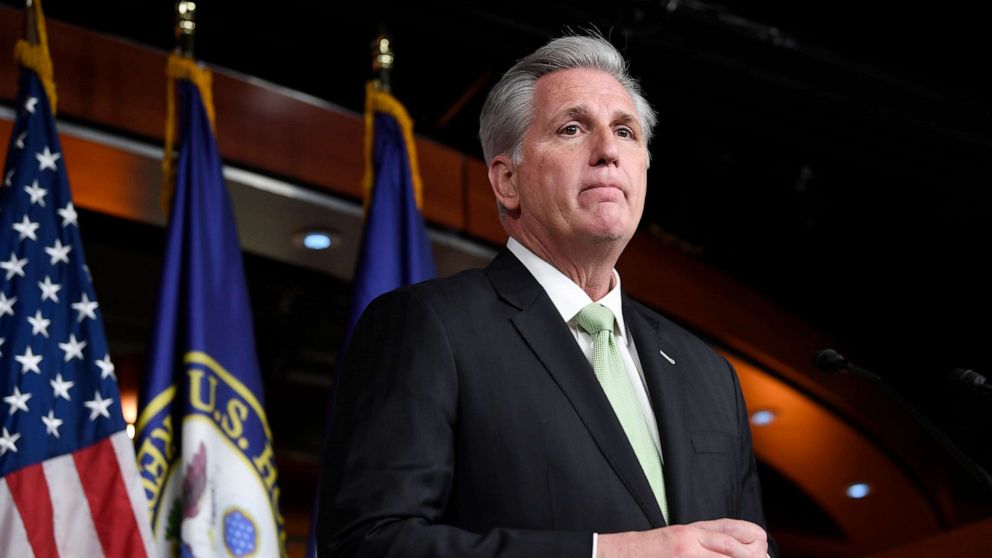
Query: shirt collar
[{"x": 567, "y": 296}]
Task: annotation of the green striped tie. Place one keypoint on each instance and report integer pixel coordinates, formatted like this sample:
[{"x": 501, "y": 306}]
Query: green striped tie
[{"x": 597, "y": 320}]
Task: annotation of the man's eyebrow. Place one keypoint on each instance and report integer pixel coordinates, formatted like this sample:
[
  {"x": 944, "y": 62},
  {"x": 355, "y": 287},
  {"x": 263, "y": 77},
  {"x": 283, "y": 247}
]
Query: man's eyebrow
[
  {"x": 577, "y": 112},
  {"x": 580, "y": 112},
  {"x": 626, "y": 118}
]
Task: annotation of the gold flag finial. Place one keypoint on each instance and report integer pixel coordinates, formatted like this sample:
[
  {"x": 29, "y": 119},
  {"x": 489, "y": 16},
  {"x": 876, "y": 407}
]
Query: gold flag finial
[
  {"x": 32, "y": 50},
  {"x": 185, "y": 27},
  {"x": 382, "y": 61}
]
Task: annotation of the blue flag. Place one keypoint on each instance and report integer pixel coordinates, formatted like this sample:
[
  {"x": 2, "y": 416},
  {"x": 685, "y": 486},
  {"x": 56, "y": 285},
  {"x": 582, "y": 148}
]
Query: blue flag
[
  {"x": 68, "y": 481},
  {"x": 204, "y": 445},
  {"x": 395, "y": 250}
]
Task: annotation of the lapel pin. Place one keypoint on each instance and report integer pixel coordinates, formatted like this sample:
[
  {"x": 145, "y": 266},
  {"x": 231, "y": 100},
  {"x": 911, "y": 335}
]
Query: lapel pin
[{"x": 668, "y": 358}]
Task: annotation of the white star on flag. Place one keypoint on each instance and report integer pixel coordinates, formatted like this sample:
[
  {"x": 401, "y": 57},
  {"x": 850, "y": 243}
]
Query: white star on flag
[
  {"x": 9, "y": 179},
  {"x": 1, "y": 344},
  {"x": 60, "y": 387},
  {"x": 30, "y": 103},
  {"x": 14, "y": 266},
  {"x": 58, "y": 252},
  {"x": 20, "y": 139},
  {"x": 46, "y": 159},
  {"x": 8, "y": 441},
  {"x": 106, "y": 368},
  {"x": 39, "y": 324},
  {"x": 37, "y": 193},
  {"x": 7, "y": 304},
  {"x": 52, "y": 424},
  {"x": 26, "y": 228},
  {"x": 18, "y": 401},
  {"x": 85, "y": 307},
  {"x": 49, "y": 290},
  {"x": 29, "y": 361},
  {"x": 98, "y": 405},
  {"x": 73, "y": 348},
  {"x": 68, "y": 214}
]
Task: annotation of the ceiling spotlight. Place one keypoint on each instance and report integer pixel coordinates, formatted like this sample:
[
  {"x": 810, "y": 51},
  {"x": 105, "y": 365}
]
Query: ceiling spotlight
[
  {"x": 762, "y": 418},
  {"x": 314, "y": 239},
  {"x": 858, "y": 490},
  {"x": 317, "y": 241}
]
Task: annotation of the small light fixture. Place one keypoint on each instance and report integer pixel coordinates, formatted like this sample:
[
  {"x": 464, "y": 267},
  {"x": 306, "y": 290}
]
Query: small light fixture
[
  {"x": 762, "y": 418},
  {"x": 858, "y": 490},
  {"x": 130, "y": 430},
  {"x": 315, "y": 239}
]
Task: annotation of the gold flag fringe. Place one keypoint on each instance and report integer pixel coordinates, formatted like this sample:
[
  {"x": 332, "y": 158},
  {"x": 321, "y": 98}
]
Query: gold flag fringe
[
  {"x": 380, "y": 101},
  {"x": 181, "y": 67},
  {"x": 37, "y": 57}
]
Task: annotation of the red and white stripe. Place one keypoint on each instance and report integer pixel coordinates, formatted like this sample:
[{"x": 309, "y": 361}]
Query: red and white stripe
[{"x": 88, "y": 503}]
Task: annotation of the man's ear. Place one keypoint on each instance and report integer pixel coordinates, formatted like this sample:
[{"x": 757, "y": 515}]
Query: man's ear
[{"x": 503, "y": 178}]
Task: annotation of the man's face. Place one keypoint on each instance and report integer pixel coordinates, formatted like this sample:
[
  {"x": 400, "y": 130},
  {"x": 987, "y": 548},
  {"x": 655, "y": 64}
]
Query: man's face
[{"x": 583, "y": 173}]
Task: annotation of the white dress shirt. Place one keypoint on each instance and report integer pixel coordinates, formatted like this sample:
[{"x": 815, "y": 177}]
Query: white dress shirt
[{"x": 569, "y": 299}]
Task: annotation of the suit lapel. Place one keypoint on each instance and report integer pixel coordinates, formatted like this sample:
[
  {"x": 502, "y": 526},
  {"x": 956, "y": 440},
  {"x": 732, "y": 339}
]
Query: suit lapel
[
  {"x": 541, "y": 327},
  {"x": 663, "y": 380}
]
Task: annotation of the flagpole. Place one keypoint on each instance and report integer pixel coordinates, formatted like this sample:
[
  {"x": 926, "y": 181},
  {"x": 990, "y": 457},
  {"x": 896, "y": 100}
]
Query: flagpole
[{"x": 30, "y": 23}]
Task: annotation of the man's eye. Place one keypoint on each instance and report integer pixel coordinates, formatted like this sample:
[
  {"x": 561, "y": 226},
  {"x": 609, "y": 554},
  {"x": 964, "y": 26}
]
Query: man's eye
[
  {"x": 625, "y": 132},
  {"x": 569, "y": 130}
]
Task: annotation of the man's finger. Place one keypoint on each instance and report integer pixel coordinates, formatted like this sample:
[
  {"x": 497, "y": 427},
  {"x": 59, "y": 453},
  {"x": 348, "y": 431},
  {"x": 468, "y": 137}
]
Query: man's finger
[
  {"x": 744, "y": 531},
  {"x": 724, "y": 544}
]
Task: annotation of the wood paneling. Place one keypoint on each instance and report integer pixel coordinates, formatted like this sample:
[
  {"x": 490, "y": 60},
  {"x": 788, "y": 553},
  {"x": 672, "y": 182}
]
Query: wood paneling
[
  {"x": 264, "y": 129},
  {"x": 108, "y": 180},
  {"x": 481, "y": 217},
  {"x": 441, "y": 171}
]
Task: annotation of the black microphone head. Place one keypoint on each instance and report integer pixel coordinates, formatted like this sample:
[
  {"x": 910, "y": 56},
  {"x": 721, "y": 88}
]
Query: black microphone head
[
  {"x": 829, "y": 361},
  {"x": 968, "y": 379}
]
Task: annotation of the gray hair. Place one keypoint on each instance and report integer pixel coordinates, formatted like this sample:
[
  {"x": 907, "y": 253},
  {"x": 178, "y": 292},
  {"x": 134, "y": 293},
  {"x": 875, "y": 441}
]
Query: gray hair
[{"x": 509, "y": 109}]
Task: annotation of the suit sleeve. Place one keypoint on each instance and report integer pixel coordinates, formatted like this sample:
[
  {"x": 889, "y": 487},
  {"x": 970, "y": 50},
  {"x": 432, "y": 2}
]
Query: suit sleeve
[
  {"x": 750, "y": 501},
  {"x": 388, "y": 461}
]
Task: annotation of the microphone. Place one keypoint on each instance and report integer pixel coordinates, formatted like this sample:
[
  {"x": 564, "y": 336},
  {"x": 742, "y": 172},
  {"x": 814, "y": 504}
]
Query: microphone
[
  {"x": 970, "y": 380},
  {"x": 831, "y": 362}
]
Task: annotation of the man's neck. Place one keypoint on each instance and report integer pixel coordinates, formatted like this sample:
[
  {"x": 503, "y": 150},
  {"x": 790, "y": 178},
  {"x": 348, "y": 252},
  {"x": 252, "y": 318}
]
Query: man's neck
[{"x": 590, "y": 268}]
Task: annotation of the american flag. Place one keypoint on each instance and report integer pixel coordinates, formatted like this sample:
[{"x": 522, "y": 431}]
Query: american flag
[{"x": 69, "y": 484}]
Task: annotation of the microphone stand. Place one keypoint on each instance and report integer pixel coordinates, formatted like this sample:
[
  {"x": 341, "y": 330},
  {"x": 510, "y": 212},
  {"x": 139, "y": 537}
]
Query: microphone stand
[{"x": 831, "y": 362}]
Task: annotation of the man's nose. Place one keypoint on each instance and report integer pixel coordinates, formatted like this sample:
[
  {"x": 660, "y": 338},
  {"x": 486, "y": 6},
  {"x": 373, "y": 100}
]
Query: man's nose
[{"x": 605, "y": 149}]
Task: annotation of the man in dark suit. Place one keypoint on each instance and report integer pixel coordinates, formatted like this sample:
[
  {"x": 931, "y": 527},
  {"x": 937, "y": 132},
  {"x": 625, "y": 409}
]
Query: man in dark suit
[{"x": 531, "y": 409}]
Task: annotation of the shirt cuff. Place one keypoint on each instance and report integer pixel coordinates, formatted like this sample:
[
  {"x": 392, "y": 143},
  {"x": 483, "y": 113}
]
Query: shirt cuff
[{"x": 595, "y": 541}]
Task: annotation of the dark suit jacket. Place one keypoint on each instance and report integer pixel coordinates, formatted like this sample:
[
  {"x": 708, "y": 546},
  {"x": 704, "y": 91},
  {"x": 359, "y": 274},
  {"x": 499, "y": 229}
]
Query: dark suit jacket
[{"x": 468, "y": 423}]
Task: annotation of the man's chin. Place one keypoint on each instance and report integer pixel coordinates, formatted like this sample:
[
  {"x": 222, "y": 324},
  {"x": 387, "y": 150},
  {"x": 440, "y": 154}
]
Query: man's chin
[{"x": 610, "y": 236}]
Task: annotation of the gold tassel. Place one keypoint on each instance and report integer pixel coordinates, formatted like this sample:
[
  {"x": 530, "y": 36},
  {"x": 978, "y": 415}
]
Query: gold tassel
[
  {"x": 37, "y": 57},
  {"x": 181, "y": 67},
  {"x": 380, "y": 101}
]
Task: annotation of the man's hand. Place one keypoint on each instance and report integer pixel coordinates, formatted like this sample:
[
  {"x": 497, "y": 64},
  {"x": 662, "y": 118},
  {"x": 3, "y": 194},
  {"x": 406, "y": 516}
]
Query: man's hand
[{"x": 703, "y": 539}]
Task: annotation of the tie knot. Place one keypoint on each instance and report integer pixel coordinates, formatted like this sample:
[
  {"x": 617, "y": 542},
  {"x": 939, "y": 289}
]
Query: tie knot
[{"x": 595, "y": 318}]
